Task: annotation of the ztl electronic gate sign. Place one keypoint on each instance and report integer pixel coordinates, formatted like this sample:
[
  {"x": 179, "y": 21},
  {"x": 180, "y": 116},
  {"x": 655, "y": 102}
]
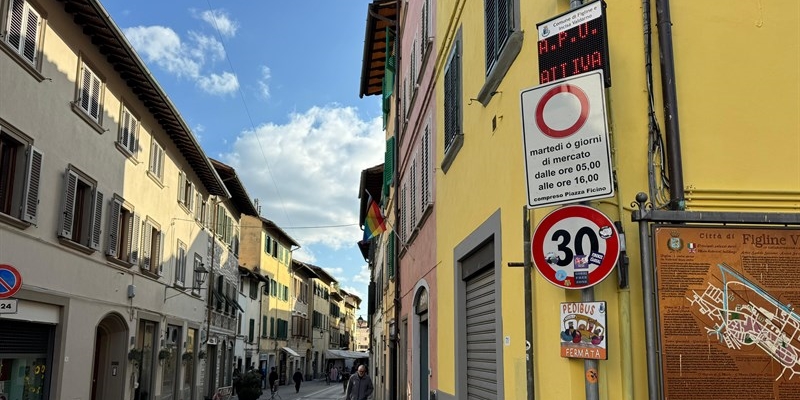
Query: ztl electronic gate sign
[
  {"x": 575, "y": 247},
  {"x": 565, "y": 139}
]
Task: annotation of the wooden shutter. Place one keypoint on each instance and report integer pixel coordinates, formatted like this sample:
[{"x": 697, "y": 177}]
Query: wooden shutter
[
  {"x": 158, "y": 252},
  {"x": 181, "y": 187},
  {"x": 133, "y": 238},
  {"x": 147, "y": 237},
  {"x": 426, "y": 165},
  {"x": 97, "y": 217},
  {"x": 68, "y": 205},
  {"x": 32, "y": 179},
  {"x": 113, "y": 227},
  {"x": 29, "y": 42},
  {"x": 23, "y": 29},
  {"x": 490, "y": 31}
]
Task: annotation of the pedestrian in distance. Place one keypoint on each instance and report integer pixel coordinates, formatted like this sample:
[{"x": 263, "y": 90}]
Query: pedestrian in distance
[
  {"x": 297, "y": 377},
  {"x": 273, "y": 379},
  {"x": 360, "y": 386}
]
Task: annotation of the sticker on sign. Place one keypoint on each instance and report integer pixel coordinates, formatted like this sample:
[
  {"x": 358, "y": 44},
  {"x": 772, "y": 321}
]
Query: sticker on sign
[{"x": 565, "y": 136}]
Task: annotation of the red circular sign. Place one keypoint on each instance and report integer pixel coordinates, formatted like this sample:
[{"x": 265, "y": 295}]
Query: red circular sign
[
  {"x": 584, "y": 115},
  {"x": 575, "y": 247},
  {"x": 10, "y": 281}
]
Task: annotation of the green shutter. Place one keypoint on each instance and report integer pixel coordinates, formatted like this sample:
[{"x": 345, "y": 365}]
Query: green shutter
[
  {"x": 388, "y": 77},
  {"x": 388, "y": 168},
  {"x": 390, "y": 256}
]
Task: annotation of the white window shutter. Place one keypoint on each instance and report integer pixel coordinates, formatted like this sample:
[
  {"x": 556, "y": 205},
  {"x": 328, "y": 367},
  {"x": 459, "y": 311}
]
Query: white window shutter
[
  {"x": 32, "y": 185},
  {"x": 113, "y": 227},
  {"x": 29, "y": 42},
  {"x": 16, "y": 19},
  {"x": 147, "y": 237},
  {"x": 68, "y": 205},
  {"x": 97, "y": 217},
  {"x": 161, "y": 238},
  {"x": 181, "y": 188},
  {"x": 133, "y": 238},
  {"x": 94, "y": 111}
]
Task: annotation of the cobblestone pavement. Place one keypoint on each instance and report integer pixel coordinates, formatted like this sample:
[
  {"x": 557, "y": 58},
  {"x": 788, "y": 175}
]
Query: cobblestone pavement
[{"x": 309, "y": 390}]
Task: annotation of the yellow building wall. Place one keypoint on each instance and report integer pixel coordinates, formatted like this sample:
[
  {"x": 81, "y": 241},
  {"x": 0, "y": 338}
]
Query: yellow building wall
[{"x": 738, "y": 85}]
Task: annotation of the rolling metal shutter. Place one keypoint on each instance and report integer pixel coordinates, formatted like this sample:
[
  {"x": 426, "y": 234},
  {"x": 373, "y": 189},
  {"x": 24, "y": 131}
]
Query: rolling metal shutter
[
  {"x": 19, "y": 337},
  {"x": 481, "y": 336}
]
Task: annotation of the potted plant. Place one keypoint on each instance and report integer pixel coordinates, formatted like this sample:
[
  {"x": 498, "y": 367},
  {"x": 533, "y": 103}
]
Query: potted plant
[
  {"x": 163, "y": 354},
  {"x": 187, "y": 356},
  {"x": 249, "y": 385},
  {"x": 135, "y": 356},
  {"x": 201, "y": 355}
]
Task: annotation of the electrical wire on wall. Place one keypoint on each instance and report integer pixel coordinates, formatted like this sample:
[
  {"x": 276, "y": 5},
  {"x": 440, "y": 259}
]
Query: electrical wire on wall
[{"x": 658, "y": 181}]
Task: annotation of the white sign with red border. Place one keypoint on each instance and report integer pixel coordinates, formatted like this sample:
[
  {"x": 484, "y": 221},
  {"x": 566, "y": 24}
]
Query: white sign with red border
[
  {"x": 575, "y": 247},
  {"x": 565, "y": 137}
]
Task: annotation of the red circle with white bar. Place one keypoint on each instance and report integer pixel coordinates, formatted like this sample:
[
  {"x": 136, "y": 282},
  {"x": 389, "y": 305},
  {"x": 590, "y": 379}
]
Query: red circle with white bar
[
  {"x": 583, "y": 100},
  {"x": 560, "y": 242}
]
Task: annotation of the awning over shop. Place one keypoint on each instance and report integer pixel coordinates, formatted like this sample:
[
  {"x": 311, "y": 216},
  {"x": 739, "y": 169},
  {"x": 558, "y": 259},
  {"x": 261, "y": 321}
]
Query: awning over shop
[
  {"x": 291, "y": 351},
  {"x": 342, "y": 354}
]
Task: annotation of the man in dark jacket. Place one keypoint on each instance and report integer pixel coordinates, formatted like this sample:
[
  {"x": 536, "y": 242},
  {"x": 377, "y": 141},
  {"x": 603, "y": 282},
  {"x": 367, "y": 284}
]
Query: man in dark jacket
[
  {"x": 297, "y": 378},
  {"x": 273, "y": 379},
  {"x": 360, "y": 386}
]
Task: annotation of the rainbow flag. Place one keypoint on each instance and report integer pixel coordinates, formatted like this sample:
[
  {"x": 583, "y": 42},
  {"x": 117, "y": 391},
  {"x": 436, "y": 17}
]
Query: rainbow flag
[{"x": 374, "y": 224}]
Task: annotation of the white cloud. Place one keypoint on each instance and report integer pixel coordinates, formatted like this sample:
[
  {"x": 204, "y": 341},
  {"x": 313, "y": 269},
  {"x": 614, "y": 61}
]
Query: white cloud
[
  {"x": 219, "y": 20},
  {"x": 163, "y": 47},
  {"x": 219, "y": 84},
  {"x": 315, "y": 160},
  {"x": 206, "y": 46},
  {"x": 263, "y": 83},
  {"x": 353, "y": 290},
  {"x": 362, "y": 276}
]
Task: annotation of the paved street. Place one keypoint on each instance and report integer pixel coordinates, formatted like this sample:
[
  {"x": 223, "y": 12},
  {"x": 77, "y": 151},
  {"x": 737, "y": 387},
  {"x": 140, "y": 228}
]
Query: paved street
[{"x": 315, "y": 390}]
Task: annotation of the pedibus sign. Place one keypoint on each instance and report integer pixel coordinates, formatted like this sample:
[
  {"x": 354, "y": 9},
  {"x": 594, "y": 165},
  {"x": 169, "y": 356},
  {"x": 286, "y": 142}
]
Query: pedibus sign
[{"x": 565, "y": 136}]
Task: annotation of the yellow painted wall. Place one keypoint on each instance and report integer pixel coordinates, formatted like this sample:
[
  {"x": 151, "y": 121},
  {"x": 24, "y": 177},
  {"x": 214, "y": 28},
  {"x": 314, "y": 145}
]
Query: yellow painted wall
[{"x": 738, "y": 84}]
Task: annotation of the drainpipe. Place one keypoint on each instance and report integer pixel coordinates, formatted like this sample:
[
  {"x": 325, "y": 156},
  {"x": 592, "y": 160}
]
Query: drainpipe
[
  {"x": 670, "y": 98},
  {"x": 395, "y": 360}
]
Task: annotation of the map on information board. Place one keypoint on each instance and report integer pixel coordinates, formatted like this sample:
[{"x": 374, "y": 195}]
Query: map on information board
[{"x": 729, "y": 325}]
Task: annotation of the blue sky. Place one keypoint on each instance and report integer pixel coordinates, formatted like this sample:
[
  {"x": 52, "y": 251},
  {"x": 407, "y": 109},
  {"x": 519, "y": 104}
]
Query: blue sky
[{"x": 271, "y": 88}]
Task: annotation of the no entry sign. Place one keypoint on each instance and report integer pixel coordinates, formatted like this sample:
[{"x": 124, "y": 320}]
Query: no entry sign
[
  {"x": 565, "y": 137},
  {"x": 10, "y": 281},
  {"x": 575, "y": 247}
]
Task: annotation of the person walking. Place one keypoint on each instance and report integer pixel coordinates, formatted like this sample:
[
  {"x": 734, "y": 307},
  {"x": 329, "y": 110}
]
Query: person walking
[
  {"x": 334, "y": 375},
  {"x": 360, "y": 386},
  {"x": 273, "y": 378},
  {"x": 297, "y": 377}
]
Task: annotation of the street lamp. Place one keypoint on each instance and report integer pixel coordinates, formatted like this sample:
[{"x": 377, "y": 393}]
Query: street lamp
[{"x": 200, "y": 274}]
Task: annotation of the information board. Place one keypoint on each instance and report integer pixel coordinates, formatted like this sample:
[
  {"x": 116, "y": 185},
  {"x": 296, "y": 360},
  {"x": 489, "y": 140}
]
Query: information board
[
  {"x": 726, "y": 299},
  {"x": 573, "y": 43}
]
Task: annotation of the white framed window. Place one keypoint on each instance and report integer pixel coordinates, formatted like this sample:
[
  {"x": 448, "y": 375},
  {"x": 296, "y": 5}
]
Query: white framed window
[
  {"x": 90, "y": 93},
  {"x": 156, "y": 167},
  {"x": 23, "y": 30},
  {"x": 81, "y": 209},
  {"x": 20, "y": 173},
  {"x": 185, "y": 191},
  {"x": 128, "y": 137},
  {"x": 198, "y": 206},
  {"x": 180, "y": 264},
  {"x": 152, "y": 247},
  {"x": 122, "y": 241}
]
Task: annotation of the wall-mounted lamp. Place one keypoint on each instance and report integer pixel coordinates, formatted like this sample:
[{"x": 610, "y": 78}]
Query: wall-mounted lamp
[{"x": 200, "y": 275}]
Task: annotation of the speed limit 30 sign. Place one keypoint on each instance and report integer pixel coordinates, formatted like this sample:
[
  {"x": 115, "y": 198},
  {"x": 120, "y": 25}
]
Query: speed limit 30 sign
[{"x": 575, "y": 247}]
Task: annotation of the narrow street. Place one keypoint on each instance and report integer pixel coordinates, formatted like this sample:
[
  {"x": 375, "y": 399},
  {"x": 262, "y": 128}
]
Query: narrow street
[{"x": 314, "y": 390}]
